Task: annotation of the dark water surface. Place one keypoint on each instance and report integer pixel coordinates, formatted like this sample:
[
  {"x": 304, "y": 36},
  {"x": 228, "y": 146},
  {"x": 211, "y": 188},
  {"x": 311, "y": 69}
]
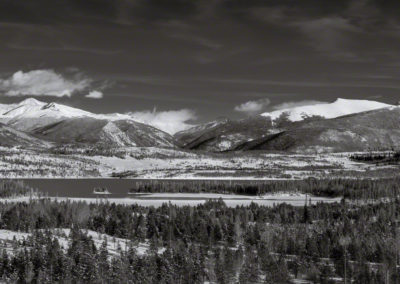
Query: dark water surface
[
  {"x": 81, "y": 187},
  {"x": 119, "y": 188}
]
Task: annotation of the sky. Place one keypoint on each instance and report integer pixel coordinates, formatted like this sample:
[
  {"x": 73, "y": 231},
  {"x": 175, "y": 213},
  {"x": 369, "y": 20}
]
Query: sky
[{"x": 196, "y": 60}]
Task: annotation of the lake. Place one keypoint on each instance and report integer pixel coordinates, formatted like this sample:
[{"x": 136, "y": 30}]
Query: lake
[{"x": 82, "y": 189}]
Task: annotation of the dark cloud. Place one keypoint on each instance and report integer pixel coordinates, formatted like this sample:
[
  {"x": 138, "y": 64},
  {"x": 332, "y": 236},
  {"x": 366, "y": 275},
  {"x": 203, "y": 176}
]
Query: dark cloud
[
  {"x": 359, "y": 12},
  {"x": 208, "y": 54}
]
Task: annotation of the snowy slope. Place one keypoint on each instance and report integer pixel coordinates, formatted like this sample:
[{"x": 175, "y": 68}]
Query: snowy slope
[
  {"x": 340, "y": 107},
  {"x": 31, "y": 113},
  {"x": 223, "y": 134},
  {"x": 33, "y": 108},
  {"x": 63, "y": 124},
  {"x": 92, "y": 131},
  {"x": 365, "y": 131},
  {"x": 7, "y": 107},
  {"x": 186, "y": 136}
]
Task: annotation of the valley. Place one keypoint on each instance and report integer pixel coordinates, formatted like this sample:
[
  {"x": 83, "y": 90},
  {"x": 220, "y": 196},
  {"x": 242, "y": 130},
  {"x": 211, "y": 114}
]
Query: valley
[
  {"x": 156, "y": 163},
  {"x": 49, "y": 140}
]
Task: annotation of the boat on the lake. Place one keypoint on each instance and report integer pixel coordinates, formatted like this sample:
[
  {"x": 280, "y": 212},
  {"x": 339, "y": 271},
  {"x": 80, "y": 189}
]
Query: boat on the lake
[{"x": 100, "y": 190}]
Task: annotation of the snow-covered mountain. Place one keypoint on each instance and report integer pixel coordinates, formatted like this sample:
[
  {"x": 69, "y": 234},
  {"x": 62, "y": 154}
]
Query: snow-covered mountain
[
  {"x": 92, "y": 131},
  {"x": 189, "y": 134},
  {"x": 332, "y": 121},
  {"x": 31, "y": 113},
  {"x": 63, "y": 124},
  {"x": 344, "y": 125},
  {"x": 340, "y": 107},
  {"x": 371, "y": 130},
  {"x": 223, "y": 134}
]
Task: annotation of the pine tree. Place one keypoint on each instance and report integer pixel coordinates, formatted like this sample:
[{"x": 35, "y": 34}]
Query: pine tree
[
  {"x": 103, "y": 261},
  {"x": 219, "y": 268},
  {"x": 250, "y": 272},
  {"x": 29, "y": 273}
]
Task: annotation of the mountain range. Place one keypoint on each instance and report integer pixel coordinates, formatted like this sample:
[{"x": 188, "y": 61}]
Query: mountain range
[
  {"x": 66, "y": 125},
  {"x": 340, "y": 107},
  {"x": 344, "y": 125}
]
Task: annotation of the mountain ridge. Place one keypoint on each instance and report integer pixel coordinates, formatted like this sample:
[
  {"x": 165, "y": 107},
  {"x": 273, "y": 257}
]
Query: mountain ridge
[
  {"x": 67, "y": 125},
  {"x": 339, "y": 107},
  {"x": 364, "y": 125},
  {"x": 372, "y": 130},
  {"x": 9, "y": 137},
  {"x": 245, "y": 134}
]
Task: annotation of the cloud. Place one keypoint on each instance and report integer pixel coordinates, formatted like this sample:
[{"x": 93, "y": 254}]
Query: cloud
[
  {"x": 253, "y": 106},
  {"x": 169, "y": 121},
  {"x": 94, "y": 95},
  {"x": 287, "y": 105},
  {"x": 41, "y": 83}
]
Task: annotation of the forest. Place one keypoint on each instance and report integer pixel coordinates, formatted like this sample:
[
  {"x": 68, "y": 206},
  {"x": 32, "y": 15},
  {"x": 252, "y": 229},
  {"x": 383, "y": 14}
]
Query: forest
[
  {"x": 388, "y": 157},
  {"x": 322, "y": 243},
  {"x": 351, "y": 189}
]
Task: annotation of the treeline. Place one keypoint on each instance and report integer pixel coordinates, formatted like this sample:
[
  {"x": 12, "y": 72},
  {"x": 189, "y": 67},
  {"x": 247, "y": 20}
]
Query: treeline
[
  {"x": 354, "y": 189},
  {"x": 209, "y": 242},
  {"x": 12, "y": 188},
  {"x": 379, "y": 157},
  {"x": 43, "y": 260},
  {"x": 96, "y": 150}
]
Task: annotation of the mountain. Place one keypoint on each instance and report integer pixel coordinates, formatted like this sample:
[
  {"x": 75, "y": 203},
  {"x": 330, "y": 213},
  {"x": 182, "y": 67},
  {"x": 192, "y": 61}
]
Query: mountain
[
  {"x": 223, "y": 134},
  {"x": 119, "y": 133},
  {"x": 340, "y": 107},
  {"x": 186, "y": 136},
  {"x": 10, "y": 137},
  {"x": 31, "y": 113},
  {"x": 64, "y": 124},
  {"x": 344, "y": 125},
  {"x": 373, "y": 130},
  {"x": 297, "y": 128}
]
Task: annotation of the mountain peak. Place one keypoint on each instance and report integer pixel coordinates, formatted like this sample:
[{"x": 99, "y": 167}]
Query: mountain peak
[
  {"x": 31, "y": 102},
  {"x": 339, "y": 107},
  {"x": 341, "y": 100},
  {"x": 355, "y": 101}
]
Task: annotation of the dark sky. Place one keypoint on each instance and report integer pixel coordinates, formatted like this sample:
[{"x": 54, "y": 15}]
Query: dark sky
[{"x": 208, "y": 56}]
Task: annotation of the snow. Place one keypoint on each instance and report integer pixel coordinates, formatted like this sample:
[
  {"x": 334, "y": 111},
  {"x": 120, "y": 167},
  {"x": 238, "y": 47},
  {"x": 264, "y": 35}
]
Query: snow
[
  {"x": 224, "y": 145},
  {"x": 262, "y": 166},
  {"x": 62, "y": 236},
  {"x": 32, "y": 108},
  {"x": 43, "y": 109},
  {"x": 204, "y": 126},
  {"x": 159, "y": 163},
  {"x": 338, "y": 108},
  {"x": 17, "y": 163},
  {"x": 190, "y": 199},
  {"x": 193, "y": 195},
  {"x": 7, "y": 235},
  {"x": 187, "y": 199},
  {"x": 113, "y": 133}
]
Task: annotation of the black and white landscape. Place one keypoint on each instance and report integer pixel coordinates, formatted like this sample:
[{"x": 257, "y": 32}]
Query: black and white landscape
[
  {"x": 51, "y": 140},
  {"x": 196, "y": 141}
]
